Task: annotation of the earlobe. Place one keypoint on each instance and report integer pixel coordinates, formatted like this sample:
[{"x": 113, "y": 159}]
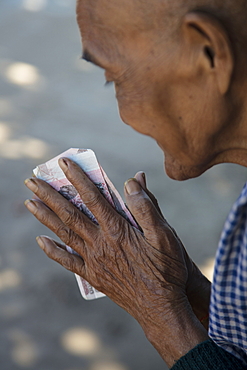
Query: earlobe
[{"x": 206, "y": 32}]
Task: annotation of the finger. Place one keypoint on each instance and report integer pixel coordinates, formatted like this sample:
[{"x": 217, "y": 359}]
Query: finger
[
  {"x": 91, "y": 196},
  {"x": 142, "y": 208},
  {"x": 53, "y": 250},
  {"x": 48, "y": 218},
  {"x": 66, "y": 211},
  {"x": 141, "y": 178},
  {"x": 60, "y": 245}
]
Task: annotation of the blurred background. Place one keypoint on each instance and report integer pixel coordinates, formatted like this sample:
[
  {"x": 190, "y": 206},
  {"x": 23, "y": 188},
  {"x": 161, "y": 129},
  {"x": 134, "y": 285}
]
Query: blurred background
[{"x": 50, "y": 101}]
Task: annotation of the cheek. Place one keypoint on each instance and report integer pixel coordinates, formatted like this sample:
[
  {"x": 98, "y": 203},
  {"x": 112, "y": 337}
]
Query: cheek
[
  {"x": 170, "y": 117},
  {"x": 180, "y": 163},
  {"x": 144, "y": 118},
  {"x": 132, "y": 114},
  {"x": 194, "y": 124}
]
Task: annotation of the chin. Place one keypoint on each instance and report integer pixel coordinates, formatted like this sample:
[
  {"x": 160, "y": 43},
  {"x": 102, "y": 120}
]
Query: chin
[{"x": 178, "y": 172}]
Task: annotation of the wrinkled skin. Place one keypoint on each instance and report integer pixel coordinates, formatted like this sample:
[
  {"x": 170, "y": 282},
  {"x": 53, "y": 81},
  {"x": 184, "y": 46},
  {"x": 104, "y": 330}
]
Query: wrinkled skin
[
  {"x": 149, "y": 274},
  {"x": 167, "y": 84},
  {"x": 185, "y": 88}
]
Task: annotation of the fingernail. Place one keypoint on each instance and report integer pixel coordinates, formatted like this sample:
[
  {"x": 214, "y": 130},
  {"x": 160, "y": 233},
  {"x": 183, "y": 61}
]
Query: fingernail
[
  {"x": 132, "y": 187},
  {"x": 31, "y": 185},
  {"x": 40, "y": 242},
  {"x": 63, "y": 163},
  {"x": 31, "y": 206},
  {"x": 144, "y": 182}
]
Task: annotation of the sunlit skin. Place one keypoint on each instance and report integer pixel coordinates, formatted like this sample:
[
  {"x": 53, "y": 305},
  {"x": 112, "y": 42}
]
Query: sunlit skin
[
  {"x": 180, "y": 77},
  {"x": 168, "y": 89}
]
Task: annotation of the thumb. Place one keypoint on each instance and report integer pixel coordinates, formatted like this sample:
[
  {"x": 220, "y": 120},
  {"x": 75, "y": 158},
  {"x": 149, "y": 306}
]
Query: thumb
[
  {"x": 142, "y": 207},
  {"x": 141, "y": 178}
]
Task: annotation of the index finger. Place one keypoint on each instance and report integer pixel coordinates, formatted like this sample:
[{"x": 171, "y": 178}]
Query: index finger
[{"x": 102, "y": 210}]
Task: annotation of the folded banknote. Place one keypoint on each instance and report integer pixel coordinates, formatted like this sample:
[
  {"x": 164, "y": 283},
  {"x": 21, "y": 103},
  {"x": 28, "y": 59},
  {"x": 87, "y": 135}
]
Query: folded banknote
[{"x": 86, "y": 159}]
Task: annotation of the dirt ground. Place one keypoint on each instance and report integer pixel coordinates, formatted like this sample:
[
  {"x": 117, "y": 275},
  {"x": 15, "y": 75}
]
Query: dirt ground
[{"x": 51, "y": 101}]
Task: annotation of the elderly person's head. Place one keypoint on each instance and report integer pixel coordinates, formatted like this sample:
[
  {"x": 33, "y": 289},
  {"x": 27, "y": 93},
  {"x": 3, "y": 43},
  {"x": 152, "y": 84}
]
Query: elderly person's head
[{"x": 179, "y": 69}]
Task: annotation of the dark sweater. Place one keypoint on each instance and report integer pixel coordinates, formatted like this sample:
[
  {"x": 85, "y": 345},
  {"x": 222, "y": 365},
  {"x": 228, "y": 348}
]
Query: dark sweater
[{"x": 208, "y": 356}]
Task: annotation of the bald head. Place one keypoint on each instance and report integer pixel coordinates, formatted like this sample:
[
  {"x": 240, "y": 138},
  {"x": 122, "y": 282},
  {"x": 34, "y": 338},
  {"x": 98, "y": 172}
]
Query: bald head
[
  {"x": 147, "y": 14},
  {"x": 179, "y": 69}
]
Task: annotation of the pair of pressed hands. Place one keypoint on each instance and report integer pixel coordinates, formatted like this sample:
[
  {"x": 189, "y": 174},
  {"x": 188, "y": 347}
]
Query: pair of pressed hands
[{"x": 147, "y": 273}]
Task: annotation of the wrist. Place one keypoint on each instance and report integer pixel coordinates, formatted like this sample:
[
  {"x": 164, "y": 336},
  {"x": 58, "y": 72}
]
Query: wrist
[
  {"x": 175, "y": 332},
  {"x": 198, "y": 293}
]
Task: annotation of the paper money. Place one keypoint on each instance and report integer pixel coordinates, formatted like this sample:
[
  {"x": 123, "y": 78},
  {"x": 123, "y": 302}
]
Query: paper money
[{"x": 86, "y": 159}]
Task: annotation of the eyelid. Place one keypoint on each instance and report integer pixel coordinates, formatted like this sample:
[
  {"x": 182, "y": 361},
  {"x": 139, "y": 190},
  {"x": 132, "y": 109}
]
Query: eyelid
[
  {"x": 85, "y": 56},
  {"x": 108, "y": 83},
  {"x": 89, "y": 58}
]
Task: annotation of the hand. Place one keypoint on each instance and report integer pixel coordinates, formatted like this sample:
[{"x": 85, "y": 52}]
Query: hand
[
  {"x": 198, "y": 287},
  {"x": 145, "y": 273}
]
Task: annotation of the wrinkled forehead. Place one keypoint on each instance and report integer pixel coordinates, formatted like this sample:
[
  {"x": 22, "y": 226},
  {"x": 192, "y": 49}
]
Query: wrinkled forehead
[
  {"x": 111, "y": 14},
  {"x": 113, "y": 30},
  {"x": 116, "y": 18},
  {"x": 100, "y": 24},
  {"x": 107, "y": 26}
]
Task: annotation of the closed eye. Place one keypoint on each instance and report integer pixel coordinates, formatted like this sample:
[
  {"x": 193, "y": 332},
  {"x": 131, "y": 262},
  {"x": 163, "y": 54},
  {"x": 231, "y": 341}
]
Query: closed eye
[
  {"x": 90, "y": 58},
  {"x": 86, "y": 56},
  {"x": 108, "y": 83}
]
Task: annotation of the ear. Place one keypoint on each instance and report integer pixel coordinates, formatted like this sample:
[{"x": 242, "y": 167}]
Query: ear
[{"x": 207, "y": 36}]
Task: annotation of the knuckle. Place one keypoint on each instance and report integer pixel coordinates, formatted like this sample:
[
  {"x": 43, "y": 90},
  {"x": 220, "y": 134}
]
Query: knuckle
[
  {"x": 93, "y": 199},
  {"x": 145, "y": 211},
  {"x": 118, "y": 231},
  {"x": 150, "y": 214},
  {"x": 65, "y": 234},
  {"x": 68, "y": 263},
  {"x": 42, "y": 215},
  {"x": 59, "y": 256},
  {"x": 44, "y": 196},
  {"x": 70, "y": 216},
  {"x": 162, "y": 236}
]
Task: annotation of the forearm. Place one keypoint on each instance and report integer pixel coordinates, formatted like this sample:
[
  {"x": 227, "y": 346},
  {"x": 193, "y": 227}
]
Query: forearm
[
  {"x": 198, "y": 292},
  {"x": 176, "y": 333},
  {"x": 199, "y": 300},
  {"x": 208, "y": 356}
]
